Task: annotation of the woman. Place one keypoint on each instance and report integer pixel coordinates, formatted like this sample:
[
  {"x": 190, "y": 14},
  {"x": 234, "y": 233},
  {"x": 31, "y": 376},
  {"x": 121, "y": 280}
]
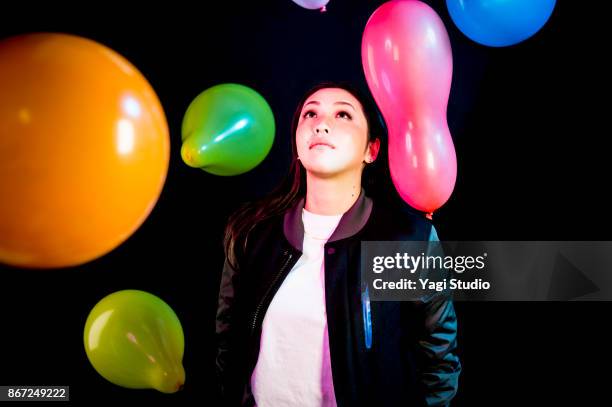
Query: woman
[{"x": 294, "y": 326}]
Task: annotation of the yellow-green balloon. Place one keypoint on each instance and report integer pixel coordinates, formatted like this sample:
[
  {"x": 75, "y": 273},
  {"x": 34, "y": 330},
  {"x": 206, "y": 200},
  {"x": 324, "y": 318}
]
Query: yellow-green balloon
[
  {"x": 135, "y": 340},
  {"x": 227, "y": 130}
]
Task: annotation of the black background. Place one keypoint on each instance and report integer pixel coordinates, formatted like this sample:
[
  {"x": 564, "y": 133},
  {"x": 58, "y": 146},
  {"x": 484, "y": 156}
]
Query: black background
[{"x": 530, "y": 133}]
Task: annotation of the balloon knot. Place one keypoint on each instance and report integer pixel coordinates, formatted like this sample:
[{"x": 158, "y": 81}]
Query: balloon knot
[
  {"x": 429, "y": 215},
  {"x": 323, "y": 9}
]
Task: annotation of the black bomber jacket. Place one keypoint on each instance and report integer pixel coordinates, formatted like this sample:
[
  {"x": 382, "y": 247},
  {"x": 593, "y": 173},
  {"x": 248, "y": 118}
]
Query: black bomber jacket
[{"x": 400, "y": 353}]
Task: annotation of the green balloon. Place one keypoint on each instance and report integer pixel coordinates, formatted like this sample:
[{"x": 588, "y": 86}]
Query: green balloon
[
  {"x": 135, "y": 340},
  {"x": 227, "y": 130}
]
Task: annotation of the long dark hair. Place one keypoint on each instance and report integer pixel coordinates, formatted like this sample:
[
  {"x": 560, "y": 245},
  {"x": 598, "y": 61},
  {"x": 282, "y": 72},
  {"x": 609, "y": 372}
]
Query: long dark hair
[{"x": 293, "y": 187}]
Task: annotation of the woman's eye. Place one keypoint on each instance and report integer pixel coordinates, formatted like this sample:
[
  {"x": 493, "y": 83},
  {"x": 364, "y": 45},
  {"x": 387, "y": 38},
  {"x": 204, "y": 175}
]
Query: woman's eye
[
  {"x": 309, "y": 114},
  {"x": 344, "y": 115}
]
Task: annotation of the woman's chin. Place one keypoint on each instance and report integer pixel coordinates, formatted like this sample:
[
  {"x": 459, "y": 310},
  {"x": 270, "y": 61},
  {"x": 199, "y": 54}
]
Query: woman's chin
[{"x": 325, "y": 171}]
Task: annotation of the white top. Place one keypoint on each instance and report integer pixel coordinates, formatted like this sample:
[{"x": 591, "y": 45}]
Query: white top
[{"x": 294, "y": 368}]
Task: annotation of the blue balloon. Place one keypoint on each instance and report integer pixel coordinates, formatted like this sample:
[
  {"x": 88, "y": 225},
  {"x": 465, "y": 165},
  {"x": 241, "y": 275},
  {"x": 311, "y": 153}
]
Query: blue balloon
[{"x": 499, "y": 23}]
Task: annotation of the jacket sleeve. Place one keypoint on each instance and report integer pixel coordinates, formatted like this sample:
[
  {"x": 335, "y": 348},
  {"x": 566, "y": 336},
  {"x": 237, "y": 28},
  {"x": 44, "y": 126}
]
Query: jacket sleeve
[
  {"x": 224, "y": 328},
  {"x": 440, "y": 365}
]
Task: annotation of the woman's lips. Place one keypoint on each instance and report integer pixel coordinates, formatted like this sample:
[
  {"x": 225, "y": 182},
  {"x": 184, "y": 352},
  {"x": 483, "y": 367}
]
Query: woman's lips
[{"x": 321, "y": 145}]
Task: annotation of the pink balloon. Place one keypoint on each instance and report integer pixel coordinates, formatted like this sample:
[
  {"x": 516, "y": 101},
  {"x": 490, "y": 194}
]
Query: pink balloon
[{"x": 408, "y": 65}]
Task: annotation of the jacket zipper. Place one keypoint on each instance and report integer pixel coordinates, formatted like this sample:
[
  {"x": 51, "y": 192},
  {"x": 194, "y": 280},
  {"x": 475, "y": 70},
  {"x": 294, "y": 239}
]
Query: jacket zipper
[
  {"x": 367, "y": 317},
  {"x": 265, "y": 297}
]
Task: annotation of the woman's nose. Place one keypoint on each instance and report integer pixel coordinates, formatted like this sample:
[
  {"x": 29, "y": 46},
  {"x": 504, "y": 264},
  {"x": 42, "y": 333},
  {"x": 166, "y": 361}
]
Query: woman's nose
[{"x": 321, "y": 127}]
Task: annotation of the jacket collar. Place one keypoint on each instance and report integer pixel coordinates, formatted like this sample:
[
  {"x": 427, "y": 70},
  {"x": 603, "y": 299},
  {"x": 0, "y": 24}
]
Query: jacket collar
[{"x": 351, "y": 222}]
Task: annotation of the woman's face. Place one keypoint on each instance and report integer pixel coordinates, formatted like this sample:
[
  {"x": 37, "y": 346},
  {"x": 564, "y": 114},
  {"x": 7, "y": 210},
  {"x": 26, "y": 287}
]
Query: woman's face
[{"x": 332, "y": 133}]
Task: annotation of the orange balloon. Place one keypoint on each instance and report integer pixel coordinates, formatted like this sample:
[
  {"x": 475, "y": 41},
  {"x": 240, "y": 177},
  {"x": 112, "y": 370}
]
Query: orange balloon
[{"x": 84, "y": 150}]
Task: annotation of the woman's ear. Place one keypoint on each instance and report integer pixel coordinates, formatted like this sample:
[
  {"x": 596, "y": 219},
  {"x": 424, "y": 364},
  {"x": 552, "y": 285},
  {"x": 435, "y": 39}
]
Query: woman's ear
[{"x": 372, "y": 151}]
